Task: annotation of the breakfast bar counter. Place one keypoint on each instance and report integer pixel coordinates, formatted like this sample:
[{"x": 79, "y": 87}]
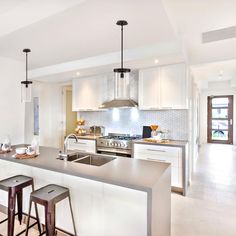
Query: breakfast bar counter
[{"x": 125, "y": 196}]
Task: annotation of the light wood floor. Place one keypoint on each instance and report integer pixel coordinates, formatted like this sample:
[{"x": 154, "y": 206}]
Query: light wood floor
[{"x": 210, "y": 207}]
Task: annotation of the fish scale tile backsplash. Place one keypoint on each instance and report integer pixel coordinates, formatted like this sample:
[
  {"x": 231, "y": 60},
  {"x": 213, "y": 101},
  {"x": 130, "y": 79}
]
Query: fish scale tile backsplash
[{"x": 131, "y": 121}]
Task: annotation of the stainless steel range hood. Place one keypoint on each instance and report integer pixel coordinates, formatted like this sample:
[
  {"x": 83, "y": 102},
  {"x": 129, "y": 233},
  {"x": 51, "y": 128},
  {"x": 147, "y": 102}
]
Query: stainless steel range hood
[
  {"x": 121, "y": 97},
  {"x": 115, "y": 103}
]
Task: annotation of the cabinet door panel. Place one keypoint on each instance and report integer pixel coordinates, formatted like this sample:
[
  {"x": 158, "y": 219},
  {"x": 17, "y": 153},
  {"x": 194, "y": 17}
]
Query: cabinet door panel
[
  {"x": 82, "y": 145},
  {"x": 148, "y": 89},
  {"x": 89, "y": 93},
  {"x": 173, "y": 86},
  {"x": 158, "y": 149}
]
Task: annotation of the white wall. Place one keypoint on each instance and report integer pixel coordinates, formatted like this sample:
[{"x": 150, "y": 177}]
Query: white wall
[
  {"x": 11, "y": 108},
  {"x": 196, "y": 123},
  {"x": 217, "y": 88},
  {"x": 50, "y": 115}
]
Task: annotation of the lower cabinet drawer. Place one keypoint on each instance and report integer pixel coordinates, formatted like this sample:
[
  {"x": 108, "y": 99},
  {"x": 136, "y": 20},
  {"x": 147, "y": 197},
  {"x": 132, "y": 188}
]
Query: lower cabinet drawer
[
  {"x": 157, "y": 150},
  {"x": 82, "y": 145},
  {"x": 175, "y": 161}
]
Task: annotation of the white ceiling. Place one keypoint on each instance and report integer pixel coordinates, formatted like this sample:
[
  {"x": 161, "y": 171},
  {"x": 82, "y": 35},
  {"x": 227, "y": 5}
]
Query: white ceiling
[
  {"x": 17, "y": 14},
  {"x": 190, "y": 19},
  {"x": 89, "y": 29},
  {"x": 217, "y": 71},
  {"x": 64, "y": 33}
]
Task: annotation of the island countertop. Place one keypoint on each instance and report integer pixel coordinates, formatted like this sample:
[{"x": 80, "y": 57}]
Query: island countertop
[{"x": 126, "y": 172}]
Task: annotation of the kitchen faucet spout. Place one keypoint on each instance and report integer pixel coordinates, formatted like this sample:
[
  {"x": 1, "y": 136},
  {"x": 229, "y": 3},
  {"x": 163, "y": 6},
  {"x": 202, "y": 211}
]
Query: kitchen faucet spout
[{"x": 66, "y": 141}]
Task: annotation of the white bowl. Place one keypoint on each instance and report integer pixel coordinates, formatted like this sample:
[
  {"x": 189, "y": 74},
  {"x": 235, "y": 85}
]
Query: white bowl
[{"x": 21, "y": 150}]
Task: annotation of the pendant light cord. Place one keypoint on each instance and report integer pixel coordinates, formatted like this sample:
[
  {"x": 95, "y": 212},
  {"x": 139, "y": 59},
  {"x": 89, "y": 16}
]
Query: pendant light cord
[
  {"x": 122, "y": 47},
  {"x": 26, "y": 69}
]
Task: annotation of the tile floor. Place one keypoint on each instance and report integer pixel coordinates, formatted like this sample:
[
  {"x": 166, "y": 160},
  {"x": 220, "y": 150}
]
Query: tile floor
[{"x": 210, "y": 206}]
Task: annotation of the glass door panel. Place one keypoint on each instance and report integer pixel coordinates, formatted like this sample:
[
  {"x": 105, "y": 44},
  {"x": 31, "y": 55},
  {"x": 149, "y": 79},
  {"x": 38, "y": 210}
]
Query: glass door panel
[
  {"x": 220, "y": 124},
  {"x": 219, "y": 113},
  {"x": 220, "y": 102}
]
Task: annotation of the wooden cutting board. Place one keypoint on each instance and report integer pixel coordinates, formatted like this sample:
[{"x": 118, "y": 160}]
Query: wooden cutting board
[{"x": 25, "y": 156}]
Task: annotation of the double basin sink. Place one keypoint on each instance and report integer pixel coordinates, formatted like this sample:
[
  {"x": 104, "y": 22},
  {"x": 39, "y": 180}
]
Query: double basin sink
[{"x": 88, "y": 159}]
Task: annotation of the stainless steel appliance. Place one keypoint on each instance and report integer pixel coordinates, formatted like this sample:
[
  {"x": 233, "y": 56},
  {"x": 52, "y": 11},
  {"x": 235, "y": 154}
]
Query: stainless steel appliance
[
  {"x": 97, "y": 130},
  {"x": 116, "y": 144}
]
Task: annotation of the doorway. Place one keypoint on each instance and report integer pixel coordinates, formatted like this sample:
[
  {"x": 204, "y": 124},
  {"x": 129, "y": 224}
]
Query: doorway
[
  {"x": 69, "y": 116},
  {"x": 220, "y": 119}
]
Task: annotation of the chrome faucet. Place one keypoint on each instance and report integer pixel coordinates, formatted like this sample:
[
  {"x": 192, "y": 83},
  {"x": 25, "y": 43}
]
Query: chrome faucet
[{"x": 66, "y": 141}]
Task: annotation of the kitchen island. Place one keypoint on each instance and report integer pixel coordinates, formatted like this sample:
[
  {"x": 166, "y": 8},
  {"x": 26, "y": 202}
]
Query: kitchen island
[{"x": 124, "y": 197}]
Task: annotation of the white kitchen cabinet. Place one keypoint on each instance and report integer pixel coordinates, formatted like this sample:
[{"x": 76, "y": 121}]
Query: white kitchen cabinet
[
  {"x": 173, "y": 86},
  {"x": 163, "y": 87},
  {"x": 83, "y": 145},
  {"x": 89, "y": 93},
  {"x": 149, "y": 83},
  {"x": 160, "y": 153}
]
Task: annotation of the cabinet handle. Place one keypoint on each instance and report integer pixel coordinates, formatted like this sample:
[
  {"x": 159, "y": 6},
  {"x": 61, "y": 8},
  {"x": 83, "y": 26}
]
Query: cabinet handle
[
  {"x": 166, "y": 108},
  {"x": 150, "y": 159},
  {"x": 155, "y": 150}
]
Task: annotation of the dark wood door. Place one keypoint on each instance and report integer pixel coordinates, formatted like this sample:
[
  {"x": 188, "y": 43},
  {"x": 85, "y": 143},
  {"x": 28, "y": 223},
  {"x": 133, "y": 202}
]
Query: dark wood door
[{"x": 220, "y": 119}]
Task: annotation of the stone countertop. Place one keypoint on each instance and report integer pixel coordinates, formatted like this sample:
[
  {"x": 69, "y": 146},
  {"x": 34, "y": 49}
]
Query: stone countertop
[
  {"x": 126, "y": 172},
  {"x": 171, "y": 143}
]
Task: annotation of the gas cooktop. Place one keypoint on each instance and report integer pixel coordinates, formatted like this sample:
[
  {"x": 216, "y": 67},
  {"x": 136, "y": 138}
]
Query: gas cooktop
[{"x": 121, "y": 137}]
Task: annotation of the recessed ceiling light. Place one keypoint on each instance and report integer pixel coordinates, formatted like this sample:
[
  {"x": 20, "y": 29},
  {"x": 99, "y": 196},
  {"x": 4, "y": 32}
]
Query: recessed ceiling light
[
  {"x": 156, "y": 61},
  {"x": 78, "y": 73}
]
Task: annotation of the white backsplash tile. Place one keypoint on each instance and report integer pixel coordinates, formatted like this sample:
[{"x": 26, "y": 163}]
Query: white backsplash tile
[{"x": 131, "y": 121}]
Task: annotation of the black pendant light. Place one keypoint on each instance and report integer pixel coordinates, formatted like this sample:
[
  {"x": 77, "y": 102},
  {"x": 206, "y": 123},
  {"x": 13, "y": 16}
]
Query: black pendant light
[
  {"x": 26, "y": 85},
  {"x": 121, "y": 72}
]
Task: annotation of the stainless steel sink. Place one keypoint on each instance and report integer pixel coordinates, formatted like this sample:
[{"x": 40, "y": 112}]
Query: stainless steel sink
[
  {"x": 88, "y": 159},
  {"x": 94, "y": 160}
]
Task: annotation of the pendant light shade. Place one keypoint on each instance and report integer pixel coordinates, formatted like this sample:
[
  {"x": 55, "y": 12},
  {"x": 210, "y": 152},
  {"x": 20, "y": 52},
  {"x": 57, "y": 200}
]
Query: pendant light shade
[
  {"x": 122, "y": 72},
  {"x": 26, "y": 85}
]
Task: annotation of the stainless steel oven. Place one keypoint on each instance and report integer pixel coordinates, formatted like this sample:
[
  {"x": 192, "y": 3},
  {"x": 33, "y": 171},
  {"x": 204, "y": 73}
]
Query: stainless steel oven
[{"x": 116, "y": 144}]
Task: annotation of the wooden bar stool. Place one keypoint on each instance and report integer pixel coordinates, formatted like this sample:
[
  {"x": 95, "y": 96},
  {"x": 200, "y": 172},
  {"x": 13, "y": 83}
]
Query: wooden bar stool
[
  {"x": 48, "y": 196},
  {"x": 14, "y": 186}
]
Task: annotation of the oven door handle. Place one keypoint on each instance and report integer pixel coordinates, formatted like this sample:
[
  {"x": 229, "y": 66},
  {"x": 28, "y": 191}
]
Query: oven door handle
[{"x": 111, "y": 150}]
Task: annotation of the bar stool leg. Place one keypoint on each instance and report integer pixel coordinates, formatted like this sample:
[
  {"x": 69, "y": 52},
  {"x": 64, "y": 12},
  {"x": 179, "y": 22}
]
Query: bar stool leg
[
  {"x": 37, "y": 218},
  {"x": 50, "y": 219},
  {"x": 72, "y": 215},
  {"x": 11, "y": 212},
  {"x": 28, "y": 219},
  {"x": 19, "y": 205},
  {"x": 37, "y": 213}
]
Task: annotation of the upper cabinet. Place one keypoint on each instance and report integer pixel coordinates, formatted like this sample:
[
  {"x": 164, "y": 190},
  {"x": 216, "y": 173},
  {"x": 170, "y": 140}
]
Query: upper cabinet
[
  {"x": 89, "y": 93},
  {"x": 163, "y": 87},
  {"x": 149, "y": 82}
]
